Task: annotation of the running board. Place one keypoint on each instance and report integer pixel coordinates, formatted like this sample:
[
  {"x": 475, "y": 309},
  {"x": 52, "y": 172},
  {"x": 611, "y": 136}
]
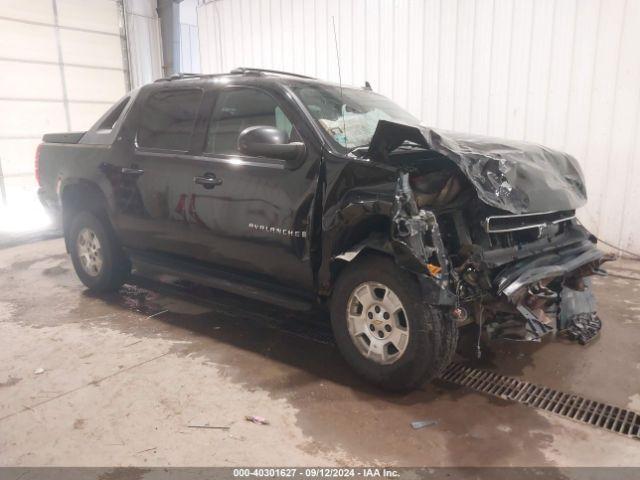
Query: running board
[{"x": 221, "y": 280}]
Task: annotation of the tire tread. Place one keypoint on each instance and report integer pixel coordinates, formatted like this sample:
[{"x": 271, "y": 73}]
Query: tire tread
[
  {"x": 116, "y": 266},
  {"x": 434, "y": 336}
]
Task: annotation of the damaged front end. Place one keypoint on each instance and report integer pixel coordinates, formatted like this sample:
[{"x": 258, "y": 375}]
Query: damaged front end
[
  {"x": 418, "y": 245},
  {"x": 551, "y": 292},
  {"x": 491, "y": 257}
]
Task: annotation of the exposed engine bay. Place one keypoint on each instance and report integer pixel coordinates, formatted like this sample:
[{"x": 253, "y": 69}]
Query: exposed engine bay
[
  {"x": 518, "y": 273},
  {"x": 520, "y": 277}
]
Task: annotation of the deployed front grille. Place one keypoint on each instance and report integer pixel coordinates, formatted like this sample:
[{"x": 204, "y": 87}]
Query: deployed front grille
[{"x": 510, "y": 230}]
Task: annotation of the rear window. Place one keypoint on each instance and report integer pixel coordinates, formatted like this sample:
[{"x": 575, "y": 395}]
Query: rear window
[{"x": 168, "y": 118}]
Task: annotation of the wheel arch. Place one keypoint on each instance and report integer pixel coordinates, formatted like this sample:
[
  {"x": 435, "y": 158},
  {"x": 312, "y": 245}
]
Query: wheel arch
[
  {"x": 81, "y": 196},
  {"x": 369, "y": 235}
]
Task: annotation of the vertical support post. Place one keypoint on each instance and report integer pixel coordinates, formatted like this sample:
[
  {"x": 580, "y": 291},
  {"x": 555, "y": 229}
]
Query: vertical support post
[
  {"x": 3, "y": 190},
  {"x": 63, "y": 80},
  {"x": 169, "y": 13},
  {"x": 124, "y": 43}
]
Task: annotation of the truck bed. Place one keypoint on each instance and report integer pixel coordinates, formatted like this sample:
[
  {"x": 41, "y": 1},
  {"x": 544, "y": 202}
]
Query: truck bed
[{"x": 67, "y": 137}]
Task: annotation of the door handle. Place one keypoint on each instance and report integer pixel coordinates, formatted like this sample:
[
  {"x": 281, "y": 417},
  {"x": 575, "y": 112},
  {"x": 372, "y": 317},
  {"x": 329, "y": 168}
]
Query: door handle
[
  {"x": 131, "y": 171},
  {"x": 208, "y": 180}
]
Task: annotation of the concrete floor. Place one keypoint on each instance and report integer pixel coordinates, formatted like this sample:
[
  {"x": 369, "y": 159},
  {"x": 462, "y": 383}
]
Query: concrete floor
[{"x": 125, "y": 374}]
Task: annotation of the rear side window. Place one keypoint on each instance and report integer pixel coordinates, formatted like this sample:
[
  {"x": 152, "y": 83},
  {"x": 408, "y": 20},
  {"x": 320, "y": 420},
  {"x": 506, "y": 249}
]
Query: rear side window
[
  {"x": 168, "y": 118},
  {"x": 237, "y": 109}
]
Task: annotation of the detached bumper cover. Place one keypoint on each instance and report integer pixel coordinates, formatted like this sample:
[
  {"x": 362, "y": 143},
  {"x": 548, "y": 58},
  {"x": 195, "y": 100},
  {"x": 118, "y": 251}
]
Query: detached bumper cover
[{"x": 561, "y": 263}]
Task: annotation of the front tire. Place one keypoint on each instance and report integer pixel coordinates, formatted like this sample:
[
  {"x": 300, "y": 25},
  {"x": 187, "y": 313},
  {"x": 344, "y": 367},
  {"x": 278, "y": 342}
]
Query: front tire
[
  {"x": 385, "y": 330},
  {"x": 97, "y": 258}
]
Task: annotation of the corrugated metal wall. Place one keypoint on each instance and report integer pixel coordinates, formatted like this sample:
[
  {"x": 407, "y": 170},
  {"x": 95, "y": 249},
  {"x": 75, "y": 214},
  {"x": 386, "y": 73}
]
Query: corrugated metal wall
[
  {"x": 145, "y": 45},
  {"x": 189, "y": 42},
  {"x": 565, "y": 73}
]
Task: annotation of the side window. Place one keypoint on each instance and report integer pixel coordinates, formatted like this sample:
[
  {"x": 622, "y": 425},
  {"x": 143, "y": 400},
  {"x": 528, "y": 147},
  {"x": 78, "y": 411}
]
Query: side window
[
  {"x": 167, "y": 119},
  {"x": 237, "y": 109}
]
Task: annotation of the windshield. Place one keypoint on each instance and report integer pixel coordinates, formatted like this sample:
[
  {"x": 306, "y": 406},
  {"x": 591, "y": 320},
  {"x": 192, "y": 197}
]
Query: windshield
[{"x": 350, "y": 118}]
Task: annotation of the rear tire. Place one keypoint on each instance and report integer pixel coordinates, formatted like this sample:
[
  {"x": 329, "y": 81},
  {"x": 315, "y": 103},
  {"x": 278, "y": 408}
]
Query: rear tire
[
  {"x": 97, "y": 257},
  {"x": 431, "y": 336}
]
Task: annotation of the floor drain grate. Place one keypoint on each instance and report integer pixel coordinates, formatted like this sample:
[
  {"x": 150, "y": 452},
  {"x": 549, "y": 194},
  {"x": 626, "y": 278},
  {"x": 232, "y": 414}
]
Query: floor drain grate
[{"x": 568, "y": 405}]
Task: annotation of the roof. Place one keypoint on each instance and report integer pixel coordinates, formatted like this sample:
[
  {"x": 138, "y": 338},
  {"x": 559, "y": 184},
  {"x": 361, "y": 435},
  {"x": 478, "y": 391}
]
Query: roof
[
  {"x": 240, "y": 71},
  {"x": 244, "y": 75}
]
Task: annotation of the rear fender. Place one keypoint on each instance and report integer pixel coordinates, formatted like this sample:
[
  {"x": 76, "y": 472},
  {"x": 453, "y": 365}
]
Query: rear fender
[{"x": 79, "y": 196}]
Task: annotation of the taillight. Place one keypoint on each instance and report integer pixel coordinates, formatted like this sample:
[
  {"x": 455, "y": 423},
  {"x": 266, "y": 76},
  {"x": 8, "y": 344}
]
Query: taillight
[{"x": 37, "y": 164}]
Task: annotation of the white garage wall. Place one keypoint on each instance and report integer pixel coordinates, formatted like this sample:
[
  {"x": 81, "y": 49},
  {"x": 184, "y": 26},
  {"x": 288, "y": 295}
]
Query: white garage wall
[
  {"x": 565, "y": 73},
  {"x": 61, "y": 64}
]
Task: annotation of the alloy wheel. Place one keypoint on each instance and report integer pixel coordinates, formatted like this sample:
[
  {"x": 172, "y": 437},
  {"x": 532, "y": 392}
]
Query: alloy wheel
[
  {"x": 89, "y": 252},
  {"x": 377, "y": 322}
]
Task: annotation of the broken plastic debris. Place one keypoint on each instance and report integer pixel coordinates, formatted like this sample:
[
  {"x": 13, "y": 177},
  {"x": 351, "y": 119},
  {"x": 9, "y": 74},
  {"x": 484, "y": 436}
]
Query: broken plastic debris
[
  {"x": 157, "y": 313},
  {"x": 206, "y": 425},
  {"x": 256, "y": 419},
  {"x": 146, "y": 450},
  {"x": 38, "y": 371},
  {"x": 423, "y": 423}
]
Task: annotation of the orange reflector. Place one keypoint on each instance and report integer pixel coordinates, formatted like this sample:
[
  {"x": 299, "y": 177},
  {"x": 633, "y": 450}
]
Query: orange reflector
[{"x": 434, "y": 269}]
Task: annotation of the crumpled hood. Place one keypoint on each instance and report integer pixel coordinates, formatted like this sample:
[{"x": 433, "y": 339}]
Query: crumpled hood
[{"x": 515, "y": 176}]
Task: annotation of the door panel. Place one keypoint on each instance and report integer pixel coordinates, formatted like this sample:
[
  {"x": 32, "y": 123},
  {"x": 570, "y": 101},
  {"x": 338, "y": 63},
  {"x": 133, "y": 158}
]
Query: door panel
[
  {"x": 258, "y": 215},
  {"x": 246, "y": 214},
  {"x": 257, "y": 219},
  {"x": 162, "y": 217},
  {"x": 151, "y": 177}
]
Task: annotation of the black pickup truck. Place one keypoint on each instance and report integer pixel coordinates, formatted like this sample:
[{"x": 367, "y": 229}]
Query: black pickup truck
[{"x": 298, "y": 192}]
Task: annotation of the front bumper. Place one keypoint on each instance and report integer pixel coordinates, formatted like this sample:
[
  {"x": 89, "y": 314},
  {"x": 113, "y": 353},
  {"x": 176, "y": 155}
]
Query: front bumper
[
  {"x": 565, "y": 262},
  {"x": 549, "y": 293}
]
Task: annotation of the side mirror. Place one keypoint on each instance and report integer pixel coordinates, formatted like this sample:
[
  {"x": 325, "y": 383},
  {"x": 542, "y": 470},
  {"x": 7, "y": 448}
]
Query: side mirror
[{"x": 264, "y": 141}]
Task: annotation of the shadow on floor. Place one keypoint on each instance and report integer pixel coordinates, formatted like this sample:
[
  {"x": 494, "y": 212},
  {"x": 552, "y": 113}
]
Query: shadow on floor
[{"x": 302, "y": 340}]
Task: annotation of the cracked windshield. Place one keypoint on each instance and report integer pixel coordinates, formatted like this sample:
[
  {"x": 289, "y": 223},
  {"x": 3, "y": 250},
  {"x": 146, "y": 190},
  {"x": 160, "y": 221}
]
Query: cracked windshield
[{"x": 350, "y": 117}]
